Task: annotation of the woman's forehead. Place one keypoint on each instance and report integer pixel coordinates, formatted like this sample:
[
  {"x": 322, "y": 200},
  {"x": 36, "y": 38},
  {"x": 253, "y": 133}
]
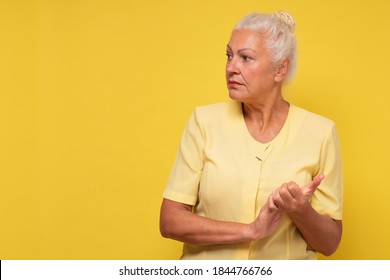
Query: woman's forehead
[{"x": 246, "y": 38}]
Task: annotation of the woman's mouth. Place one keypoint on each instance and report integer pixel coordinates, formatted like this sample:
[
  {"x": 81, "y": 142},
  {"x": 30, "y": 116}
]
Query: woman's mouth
[{"x": 233, "y": 84}]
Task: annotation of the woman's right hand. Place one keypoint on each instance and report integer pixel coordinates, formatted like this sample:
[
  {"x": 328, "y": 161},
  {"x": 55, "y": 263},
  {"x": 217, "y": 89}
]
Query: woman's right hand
[{"x": 267, "y": 221}]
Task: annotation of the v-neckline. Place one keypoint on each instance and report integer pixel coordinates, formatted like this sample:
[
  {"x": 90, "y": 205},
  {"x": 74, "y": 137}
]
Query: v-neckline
[{"x": 263, "y": 149}]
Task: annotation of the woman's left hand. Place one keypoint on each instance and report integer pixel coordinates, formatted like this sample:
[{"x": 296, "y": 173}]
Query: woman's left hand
[
  {"x": 321, "y": 232},
  {"x": 290, "y": 198}
]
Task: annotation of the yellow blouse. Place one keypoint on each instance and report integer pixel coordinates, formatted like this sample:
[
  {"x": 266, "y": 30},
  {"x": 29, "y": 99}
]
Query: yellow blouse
[{"x": 228, "y": 175}]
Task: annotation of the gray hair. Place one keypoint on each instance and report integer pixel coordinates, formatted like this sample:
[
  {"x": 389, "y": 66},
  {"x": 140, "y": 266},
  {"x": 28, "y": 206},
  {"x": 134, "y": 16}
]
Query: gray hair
[{"x": 279, "y": 28}]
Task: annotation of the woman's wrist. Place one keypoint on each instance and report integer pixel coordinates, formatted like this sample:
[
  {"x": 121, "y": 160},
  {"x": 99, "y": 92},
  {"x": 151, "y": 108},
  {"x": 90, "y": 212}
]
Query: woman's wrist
[{"x": 250, "y": 232}]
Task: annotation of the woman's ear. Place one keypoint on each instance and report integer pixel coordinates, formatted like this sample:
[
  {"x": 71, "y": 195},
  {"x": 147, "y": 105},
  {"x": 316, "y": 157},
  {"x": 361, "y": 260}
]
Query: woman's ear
[{"x": 281, "y": 70}]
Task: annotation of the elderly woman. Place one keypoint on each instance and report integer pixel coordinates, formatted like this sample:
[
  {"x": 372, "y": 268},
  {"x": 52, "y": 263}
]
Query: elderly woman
[{"x": 256, "y": 177}]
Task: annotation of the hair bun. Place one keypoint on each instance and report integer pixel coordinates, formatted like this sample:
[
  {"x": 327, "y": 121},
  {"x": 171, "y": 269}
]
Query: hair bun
[{"x": 287, "y": 19}]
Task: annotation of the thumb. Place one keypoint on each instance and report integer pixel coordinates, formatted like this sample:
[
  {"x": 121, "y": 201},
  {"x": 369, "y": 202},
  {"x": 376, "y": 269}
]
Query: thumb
[{"x": 310, "y": 188}]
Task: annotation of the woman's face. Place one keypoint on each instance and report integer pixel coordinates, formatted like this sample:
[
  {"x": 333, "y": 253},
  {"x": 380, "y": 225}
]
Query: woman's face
[{"x": 249, "y": 72}]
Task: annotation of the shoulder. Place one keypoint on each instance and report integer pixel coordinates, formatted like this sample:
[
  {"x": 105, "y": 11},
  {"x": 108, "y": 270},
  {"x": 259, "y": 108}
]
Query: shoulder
[
  {"x": 216, "y": 112},
  {"x": 312, "y": 123},
  {"x": 312, "y": 117},
  {"x": 212, "y": 109}
]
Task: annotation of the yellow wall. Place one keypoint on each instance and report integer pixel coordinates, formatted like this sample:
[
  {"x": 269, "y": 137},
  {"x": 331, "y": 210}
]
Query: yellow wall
[{"x": 94, "y": 96}]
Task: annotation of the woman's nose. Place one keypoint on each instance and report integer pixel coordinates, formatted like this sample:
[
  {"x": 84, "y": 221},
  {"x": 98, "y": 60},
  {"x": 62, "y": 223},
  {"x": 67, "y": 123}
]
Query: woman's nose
[{"x": 232, "y": 67}]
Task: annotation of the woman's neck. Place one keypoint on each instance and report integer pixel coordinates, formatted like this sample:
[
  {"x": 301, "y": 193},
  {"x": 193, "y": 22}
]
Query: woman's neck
[{"x": 264, "y": 120}]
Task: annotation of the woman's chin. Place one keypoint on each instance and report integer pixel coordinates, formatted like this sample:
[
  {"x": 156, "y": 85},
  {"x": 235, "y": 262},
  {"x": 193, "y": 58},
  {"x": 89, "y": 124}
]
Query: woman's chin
[{"x": 235, "y": 95}]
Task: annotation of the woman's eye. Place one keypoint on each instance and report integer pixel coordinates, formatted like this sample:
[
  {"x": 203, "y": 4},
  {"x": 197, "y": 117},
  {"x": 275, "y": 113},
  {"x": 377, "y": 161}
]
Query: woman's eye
[
  {"x": 229, "y": 56},
  {"x": 246, "y": 58}
]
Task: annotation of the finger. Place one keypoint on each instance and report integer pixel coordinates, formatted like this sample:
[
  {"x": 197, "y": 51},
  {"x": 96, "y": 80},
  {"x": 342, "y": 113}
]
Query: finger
[
  {"x": 271, "y": 203},
  {"x": 310, "y": 188},
  {"x": 295, "y": 191},
  {"x": 276, "y": 198},
  {"x": 290, "y": 191}
]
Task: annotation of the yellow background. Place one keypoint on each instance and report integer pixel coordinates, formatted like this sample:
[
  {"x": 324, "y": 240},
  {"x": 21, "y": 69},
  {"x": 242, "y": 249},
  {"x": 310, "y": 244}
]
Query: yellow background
[{"x": 94, "y": 96}]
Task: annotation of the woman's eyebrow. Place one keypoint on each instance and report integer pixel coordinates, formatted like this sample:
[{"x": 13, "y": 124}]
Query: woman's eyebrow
[{"x": 241, "y": 50}]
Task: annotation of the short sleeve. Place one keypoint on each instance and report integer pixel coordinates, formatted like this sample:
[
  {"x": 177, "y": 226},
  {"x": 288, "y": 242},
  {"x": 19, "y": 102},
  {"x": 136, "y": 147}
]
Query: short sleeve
[
  {"x": 328, "y": 198},
  {"x": 183, "y": 182}
]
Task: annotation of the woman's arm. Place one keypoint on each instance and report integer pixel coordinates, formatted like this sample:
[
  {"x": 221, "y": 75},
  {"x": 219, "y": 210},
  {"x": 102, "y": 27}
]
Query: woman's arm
[
  {"x": 321, "y": 232},
  {"x": 177, "y": 221}
]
